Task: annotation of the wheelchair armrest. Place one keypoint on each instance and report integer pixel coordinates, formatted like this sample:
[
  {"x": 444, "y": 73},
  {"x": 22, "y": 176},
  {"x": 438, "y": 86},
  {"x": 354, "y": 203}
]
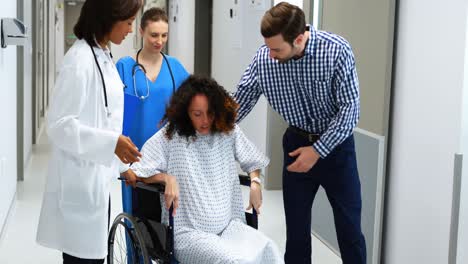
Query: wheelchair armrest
[
  {"x": 159, "y": 188},
  {"x": 244, "y": 180},
  {"x": 153, "y": 187},
  {"x": 252, "y": 219}
]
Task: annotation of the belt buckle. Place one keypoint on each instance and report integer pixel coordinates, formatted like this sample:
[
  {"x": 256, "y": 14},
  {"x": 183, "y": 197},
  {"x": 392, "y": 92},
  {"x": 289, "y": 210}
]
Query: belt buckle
[{"x": 311, "y": 137}]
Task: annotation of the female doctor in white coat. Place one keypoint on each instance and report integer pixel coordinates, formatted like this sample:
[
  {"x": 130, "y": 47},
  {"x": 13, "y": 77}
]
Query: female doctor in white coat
[{"x": 84, "y": 127}]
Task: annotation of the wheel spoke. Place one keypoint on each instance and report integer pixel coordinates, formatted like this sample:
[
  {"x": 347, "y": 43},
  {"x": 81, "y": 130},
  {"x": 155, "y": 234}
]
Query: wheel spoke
[{"x": 127, "y": 242}]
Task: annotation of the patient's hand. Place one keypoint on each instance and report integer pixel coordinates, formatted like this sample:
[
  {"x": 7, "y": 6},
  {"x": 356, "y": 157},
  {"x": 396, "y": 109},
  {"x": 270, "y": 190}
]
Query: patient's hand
[
  {"x": 130, "y": 177},
  {"x": 255, "y": 197},
  {"x": 171, "y": 193}
]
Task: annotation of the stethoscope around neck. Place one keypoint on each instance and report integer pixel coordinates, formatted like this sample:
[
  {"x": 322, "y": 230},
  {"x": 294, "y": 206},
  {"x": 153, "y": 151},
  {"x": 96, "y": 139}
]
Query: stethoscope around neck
[
  {"x": 139, "y": 67},
  {"x": 134, "y": 70},
  {"x": 102, "y": 80}
]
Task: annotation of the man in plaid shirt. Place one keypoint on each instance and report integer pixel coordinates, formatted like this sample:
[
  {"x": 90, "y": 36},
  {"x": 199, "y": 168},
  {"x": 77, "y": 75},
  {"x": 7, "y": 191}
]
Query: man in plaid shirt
[{"x": 309, "y": 77}]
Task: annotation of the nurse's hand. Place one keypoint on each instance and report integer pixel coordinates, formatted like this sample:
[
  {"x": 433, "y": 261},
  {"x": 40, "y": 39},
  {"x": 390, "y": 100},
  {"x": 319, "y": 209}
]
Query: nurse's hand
[{"x": 126, "y": 150}]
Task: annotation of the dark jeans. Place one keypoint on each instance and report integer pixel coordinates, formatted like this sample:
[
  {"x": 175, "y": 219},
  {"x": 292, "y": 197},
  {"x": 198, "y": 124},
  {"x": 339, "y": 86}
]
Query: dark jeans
[
  {"x": 338, "y": 175},
  {"x": 68, "y": 259}
]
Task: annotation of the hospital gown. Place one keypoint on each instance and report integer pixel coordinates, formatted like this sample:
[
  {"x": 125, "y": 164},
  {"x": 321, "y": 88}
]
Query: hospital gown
[{"x": 209, "y": 225}]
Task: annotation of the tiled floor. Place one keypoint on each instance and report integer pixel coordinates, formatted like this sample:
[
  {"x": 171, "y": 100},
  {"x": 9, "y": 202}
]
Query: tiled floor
[{"x": 18, "y": 246}]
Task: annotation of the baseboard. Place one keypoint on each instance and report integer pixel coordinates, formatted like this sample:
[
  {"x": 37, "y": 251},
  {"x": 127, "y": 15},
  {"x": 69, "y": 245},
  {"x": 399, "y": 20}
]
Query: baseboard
[
  {"x": 8, "y": 219},
  {"x": 326, "y": 243}
]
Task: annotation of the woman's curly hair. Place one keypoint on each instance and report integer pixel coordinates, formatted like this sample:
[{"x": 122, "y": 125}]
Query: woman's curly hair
[{"x": 220, "y": 104}]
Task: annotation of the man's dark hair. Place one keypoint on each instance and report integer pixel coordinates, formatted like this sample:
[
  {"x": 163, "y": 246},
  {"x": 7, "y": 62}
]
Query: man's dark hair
[
  {"x": 153, "y": 14},
  {"x": 220, "y": 105},
  {"x": 285, "y": 19},
  {"x": 97, "y": 17}
]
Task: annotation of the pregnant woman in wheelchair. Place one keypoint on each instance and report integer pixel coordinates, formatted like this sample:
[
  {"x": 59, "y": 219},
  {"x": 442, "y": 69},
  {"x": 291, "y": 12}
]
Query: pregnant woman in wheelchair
[{"x": 195, "y": 155}]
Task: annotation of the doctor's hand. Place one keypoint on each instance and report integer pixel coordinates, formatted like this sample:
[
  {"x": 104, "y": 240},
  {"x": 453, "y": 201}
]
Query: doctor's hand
[
  {"x": 306, "y": 159},
  {"x": 126, "y": 150}
]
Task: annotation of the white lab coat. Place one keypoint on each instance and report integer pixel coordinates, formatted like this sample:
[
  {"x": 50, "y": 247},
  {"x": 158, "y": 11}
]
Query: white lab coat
[{"x": 83, "y": 137}]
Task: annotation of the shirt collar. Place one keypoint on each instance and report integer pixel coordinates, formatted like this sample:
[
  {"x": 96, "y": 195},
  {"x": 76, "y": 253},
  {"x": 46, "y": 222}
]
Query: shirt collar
[
  {"x": 311, "y": 41},
  {"x": 106, "y": 50}
]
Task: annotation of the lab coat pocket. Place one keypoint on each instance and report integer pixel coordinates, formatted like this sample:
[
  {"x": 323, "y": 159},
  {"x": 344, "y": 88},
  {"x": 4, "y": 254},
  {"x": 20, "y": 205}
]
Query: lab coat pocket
[{"x": 79, "y": 186}]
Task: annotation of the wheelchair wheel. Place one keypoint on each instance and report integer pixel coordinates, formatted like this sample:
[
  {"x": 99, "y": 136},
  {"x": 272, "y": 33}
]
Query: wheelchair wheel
[{"x": 125, "y": 242}]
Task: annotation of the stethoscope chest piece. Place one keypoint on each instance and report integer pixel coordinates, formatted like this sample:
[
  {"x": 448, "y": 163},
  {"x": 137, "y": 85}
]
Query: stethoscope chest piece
[{"x": 138, "y": 67}]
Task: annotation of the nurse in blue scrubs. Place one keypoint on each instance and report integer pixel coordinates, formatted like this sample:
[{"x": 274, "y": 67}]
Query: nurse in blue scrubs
[{"x": 151, "y": 78}]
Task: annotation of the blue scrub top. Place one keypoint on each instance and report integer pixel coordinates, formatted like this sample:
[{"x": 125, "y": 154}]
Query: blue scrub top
[{"x": 142, "y": 117}]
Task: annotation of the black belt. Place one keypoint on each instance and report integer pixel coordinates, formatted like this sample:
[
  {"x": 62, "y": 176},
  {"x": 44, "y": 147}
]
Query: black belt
[{"x": 311, "y": 137}]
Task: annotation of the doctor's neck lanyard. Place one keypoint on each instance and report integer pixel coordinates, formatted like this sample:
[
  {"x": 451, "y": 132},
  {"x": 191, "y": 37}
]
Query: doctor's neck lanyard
[{"x": 139, "y": 67}]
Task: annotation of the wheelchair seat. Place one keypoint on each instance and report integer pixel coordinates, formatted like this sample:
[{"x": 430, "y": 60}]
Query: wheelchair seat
[{"x": 141, "y": 238}]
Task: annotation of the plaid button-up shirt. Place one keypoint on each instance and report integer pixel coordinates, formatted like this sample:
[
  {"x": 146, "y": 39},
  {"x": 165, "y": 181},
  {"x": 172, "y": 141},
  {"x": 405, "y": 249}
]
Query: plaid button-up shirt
[{"x": 318, "y": 92}]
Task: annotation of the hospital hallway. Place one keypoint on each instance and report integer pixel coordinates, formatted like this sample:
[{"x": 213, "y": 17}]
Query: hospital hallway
[
  {"x": 397, "y": 82},
  {"x": 18, "y": 246}
]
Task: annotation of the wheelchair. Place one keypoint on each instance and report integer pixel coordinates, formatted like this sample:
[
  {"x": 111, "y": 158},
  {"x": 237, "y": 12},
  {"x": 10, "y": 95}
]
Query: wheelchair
[{"x": 141, "y": 238}]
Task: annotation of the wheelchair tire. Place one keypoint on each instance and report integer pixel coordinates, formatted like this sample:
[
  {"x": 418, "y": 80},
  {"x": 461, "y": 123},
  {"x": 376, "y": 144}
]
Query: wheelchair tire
[{"x": 124, "y": 226}]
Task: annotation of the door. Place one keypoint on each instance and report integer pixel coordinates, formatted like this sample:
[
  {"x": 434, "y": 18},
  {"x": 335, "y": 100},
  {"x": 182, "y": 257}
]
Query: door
[
  {"x": 371, "y": 38},
  {"x": 43, "y": 61},
  {"x": 203, "y": 31},
  {"x": 38, "y": 67}
]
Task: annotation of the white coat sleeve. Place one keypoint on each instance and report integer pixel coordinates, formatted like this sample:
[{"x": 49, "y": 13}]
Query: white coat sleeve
[{"x": 66, "y": 131}]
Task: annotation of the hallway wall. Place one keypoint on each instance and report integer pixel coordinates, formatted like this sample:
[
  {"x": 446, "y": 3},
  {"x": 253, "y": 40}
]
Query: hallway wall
[
  {"x": 234, "y": 43},
  {"x": 182, "y": 32},
  {"x": 425, "y": 129},
  {"x": 460, "y": 239},
  {"x": 7, "y": 120},
  {"x": 28, "y": 85}
]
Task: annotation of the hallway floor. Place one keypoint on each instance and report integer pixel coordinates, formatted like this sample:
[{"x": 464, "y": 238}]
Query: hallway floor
[{"x": 18, "y": 246}]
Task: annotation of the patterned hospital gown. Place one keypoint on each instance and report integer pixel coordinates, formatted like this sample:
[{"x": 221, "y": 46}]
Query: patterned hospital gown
[{"x": 209, "y": 226}]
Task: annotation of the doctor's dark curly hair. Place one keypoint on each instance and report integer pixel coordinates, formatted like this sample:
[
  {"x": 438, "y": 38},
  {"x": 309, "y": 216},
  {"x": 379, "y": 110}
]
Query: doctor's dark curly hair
[{"x": 220, "y": 104}]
